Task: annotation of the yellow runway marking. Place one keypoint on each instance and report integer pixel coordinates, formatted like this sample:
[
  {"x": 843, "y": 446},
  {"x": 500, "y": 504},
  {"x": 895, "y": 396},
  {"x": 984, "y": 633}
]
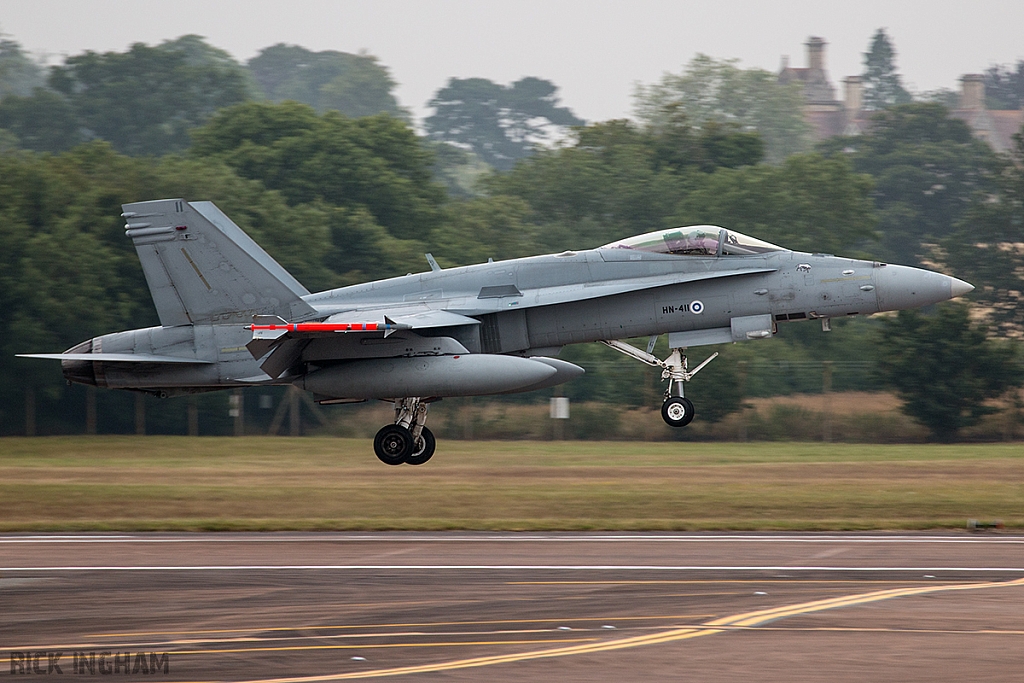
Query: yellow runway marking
[
  {"x": 381, "y": 646},
  {"x": 405, "y": 625},
  {"x": 748, "y": 619},
  {"x": 706, "y": 581},
  {"x": 258, "y": 639},
  {"x": 868, "y": 629}
]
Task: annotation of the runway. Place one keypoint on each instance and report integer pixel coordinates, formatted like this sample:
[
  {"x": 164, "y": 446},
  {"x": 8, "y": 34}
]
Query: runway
[{"x": 460, "y": 606}]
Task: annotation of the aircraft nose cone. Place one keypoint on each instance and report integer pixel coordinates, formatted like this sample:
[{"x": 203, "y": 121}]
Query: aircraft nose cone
[
  {"x": 903, "y": 287},
  {"x": 959, "y": 287}
]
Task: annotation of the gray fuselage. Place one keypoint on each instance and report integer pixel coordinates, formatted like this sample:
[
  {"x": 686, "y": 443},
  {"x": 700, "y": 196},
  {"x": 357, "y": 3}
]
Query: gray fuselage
[{"x": 534, "y": 306}]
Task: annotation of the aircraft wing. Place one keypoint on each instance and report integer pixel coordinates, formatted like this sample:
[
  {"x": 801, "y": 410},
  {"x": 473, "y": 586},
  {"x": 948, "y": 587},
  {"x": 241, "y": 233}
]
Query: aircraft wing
[
  {"x": 422, "y": 318},
  {"x": 547, "y": 296},
  {"x": 285, "y": 341}
]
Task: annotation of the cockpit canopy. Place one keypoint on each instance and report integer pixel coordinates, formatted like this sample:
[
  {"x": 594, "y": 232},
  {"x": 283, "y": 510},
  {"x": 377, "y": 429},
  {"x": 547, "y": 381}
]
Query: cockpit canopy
[{"x": 695, "y": 240}]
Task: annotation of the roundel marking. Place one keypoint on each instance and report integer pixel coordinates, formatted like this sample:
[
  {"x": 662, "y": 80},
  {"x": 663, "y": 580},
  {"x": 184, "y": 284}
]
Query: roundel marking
[{"x": 696, "y": 307}]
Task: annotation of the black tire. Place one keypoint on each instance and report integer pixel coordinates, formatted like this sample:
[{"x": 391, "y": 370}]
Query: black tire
[
  {"x": 423, "y": 449},
  {"x": 392, "y": 444},
  {"x": 677, "y": 411}
]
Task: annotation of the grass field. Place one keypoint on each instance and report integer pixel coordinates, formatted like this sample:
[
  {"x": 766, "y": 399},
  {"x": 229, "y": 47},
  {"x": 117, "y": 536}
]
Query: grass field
[{"x": 180, "y": 483}]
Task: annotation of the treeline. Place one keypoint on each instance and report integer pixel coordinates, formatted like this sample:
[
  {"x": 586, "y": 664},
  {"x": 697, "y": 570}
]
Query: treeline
[
  {"x": 146, "y": 100},
  {"x": 342, "y": 199},
  {"x": 339, "y": 200}
]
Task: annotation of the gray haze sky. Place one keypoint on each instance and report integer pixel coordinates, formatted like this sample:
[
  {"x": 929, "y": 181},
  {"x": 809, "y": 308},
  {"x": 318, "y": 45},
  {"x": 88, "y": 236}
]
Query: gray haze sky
[{"x": 594, "y": 50}]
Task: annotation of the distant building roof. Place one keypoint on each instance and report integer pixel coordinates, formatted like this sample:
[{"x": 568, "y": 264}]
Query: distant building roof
[
  {"x": 826, "y": 123},
  {"x": 817, "y": 89},
  {"x": 995, "y": 126},
  {"x": 828, "y": 117}
]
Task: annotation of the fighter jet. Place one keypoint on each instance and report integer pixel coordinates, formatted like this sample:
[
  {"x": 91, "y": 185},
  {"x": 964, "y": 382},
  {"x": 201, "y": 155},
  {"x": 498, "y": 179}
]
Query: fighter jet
[{"x": 231, "y": 316}]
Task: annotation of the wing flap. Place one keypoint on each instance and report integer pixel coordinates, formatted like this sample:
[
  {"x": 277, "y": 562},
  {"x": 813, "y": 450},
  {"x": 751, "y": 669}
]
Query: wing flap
[{"x": 284, "y": 355}]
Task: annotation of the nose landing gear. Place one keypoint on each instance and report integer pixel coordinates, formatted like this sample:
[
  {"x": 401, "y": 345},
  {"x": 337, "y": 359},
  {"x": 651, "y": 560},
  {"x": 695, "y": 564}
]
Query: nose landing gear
[
  {"x": 676, "y": 410},
  {"x": 407, "y": 441}
]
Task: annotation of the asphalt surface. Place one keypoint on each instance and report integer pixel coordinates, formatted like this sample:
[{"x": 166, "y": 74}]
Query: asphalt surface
[{"x": 504, "y": 607}]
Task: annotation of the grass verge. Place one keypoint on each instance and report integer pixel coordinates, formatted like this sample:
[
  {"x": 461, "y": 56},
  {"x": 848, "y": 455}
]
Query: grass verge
[{"x": 269, "y": 484}]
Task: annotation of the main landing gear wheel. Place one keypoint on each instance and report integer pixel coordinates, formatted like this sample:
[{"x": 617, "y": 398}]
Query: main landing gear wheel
[
  {"x": 423, "y": 449},
  {"x": 677, "y": 411},
  {"x": 393, "y": 444},
  {"x": 396, "y": 444}
]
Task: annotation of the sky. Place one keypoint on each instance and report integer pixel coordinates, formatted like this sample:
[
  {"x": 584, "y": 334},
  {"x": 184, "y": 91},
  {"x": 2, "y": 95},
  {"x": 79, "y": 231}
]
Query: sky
[{"x": 595, "y": 51}]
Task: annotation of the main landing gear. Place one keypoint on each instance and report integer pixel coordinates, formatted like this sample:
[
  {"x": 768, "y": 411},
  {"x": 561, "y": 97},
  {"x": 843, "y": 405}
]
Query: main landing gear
[
  {"x": 407, "y": 441},
  {"x": 677, "y": 410}
]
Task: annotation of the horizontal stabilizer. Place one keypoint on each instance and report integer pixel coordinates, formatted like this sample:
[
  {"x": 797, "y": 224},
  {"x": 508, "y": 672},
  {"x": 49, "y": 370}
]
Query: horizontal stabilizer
[{"x": 115, "y": 357}]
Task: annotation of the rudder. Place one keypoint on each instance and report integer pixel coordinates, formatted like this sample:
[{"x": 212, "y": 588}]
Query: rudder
[{"x": 202, "y": 268}]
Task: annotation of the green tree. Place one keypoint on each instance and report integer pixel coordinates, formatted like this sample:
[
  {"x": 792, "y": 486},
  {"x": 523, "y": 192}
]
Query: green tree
[
  {"x": 43, "y": 122},
  {"x": 810, "y": 203},
  {"x": 475, "y": 230},
  {"x": 680, "y": 146},
  {"x": 604, "y": 186},
  {"x": 355, "y": 85},
  {"x": 23, "y": 122},
  {"x": 8, "y": 141},
  {"x": 212, "y": 63},
  {"x": 500, "y": 124},
  {"x": 947, "y": 97},
  {"x": 143, "y": 101},
  {"x": 620, "y": 180},
  {"x": 987, "y": 247},
  {"x": 19, "y": 73},
  {"x": 711, "y": 90},
  {"x": 375, "y": 162},
  {"x": 460, "y": 171},
  {"x": 927, "y": 167},
  {"x": 67, "y": 272},
  {"x": 882, "y": 84},
  {"x": 1004, "y": 86},
  {"x": 945, "y": 369}
]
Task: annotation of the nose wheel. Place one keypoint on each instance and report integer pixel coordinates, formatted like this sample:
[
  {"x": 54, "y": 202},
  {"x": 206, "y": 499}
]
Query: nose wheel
[
  {"x": 677, "y": 410},
  {"x": 407, "y": 441}
]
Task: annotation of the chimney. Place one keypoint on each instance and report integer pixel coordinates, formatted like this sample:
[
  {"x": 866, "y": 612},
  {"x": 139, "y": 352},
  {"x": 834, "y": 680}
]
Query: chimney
[
  {"x": 972, "y": 95},
  {"x": 816, "y": 52},
  {"x": 853, "y": 97}
]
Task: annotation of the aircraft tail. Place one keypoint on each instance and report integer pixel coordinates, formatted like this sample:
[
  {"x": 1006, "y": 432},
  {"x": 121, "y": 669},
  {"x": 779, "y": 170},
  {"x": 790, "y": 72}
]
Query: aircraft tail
[{"x": 202, "y": 268}]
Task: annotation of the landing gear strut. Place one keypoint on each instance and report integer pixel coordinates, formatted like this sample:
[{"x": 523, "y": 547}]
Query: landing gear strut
[
  {"x": 677, "y": 410},
  {"x": 407, "y": 441}
]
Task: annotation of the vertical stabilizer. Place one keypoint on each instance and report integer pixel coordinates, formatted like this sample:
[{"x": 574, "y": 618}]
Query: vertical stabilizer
[{"x": 202, "y": 268}]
